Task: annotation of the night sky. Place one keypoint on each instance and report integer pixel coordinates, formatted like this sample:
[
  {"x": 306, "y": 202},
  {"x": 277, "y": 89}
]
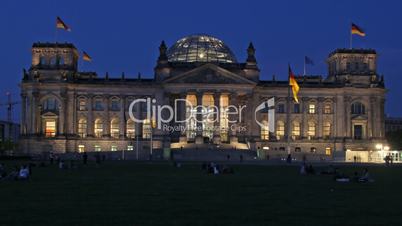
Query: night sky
[{"x": 123, "y": 36}]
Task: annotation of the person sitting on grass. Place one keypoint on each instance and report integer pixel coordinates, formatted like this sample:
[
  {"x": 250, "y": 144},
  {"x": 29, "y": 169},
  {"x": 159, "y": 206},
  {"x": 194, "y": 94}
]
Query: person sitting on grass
[
  {"x": 24, "y": 173},
  {"x": 303, "y": 169},
  {"x": 341, "y": 177}
]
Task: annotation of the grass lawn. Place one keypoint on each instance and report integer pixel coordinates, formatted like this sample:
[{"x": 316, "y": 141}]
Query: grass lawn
[{"x": 130, "y": 193}]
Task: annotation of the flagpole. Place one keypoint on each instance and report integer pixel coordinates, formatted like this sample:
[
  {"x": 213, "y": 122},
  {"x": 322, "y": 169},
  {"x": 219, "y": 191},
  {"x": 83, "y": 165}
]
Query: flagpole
[{"x": 351, "y": 38}]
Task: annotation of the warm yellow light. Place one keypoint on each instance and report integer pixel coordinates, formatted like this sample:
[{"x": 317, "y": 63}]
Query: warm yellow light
[
  {"x": 386, "y": 148},
  {"x": 201, "y": 55},
  {"x": 378, "y": 146}
]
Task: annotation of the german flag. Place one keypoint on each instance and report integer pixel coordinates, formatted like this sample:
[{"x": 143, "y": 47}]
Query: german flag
[
  {"x": 294, "y": 85},
  {"x": 356, "y": 30},
  {"x": 61, "y": 25},
  {"x": 86, "y": 57}
]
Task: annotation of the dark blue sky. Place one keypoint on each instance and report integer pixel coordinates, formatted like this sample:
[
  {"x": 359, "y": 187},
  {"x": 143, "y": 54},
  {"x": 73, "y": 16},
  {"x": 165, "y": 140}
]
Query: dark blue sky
[{"x": 125, "y": 35}]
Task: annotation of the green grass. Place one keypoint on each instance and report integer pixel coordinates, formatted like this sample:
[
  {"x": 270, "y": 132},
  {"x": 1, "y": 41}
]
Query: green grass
[{"x": 130, "y": 193}]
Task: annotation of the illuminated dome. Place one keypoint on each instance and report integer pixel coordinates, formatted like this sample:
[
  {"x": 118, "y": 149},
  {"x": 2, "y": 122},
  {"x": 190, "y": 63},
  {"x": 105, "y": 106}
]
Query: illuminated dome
[{"x": 200, "y": 48}]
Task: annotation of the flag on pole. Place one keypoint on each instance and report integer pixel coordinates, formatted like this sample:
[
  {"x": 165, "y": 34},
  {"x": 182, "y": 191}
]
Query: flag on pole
[
  {"x": 308, "y": 60},
  {"x": 60, "y": 24},
  {"x": 86, "y": 57},
  {"x": 356, "y": 30},
  {"x": 294, "y": 85}
]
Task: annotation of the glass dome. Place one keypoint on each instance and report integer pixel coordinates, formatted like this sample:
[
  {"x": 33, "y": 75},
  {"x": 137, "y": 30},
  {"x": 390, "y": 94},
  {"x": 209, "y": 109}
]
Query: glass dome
[{"x": 200, "y": 48}]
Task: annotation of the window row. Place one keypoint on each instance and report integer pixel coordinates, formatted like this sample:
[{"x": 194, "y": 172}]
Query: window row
[
  {"x": 311, "y": 108},
  {"x": 99, "y": 128},
  {"x": 296, "y": 130},
  {"x": 98, "y": 148}
]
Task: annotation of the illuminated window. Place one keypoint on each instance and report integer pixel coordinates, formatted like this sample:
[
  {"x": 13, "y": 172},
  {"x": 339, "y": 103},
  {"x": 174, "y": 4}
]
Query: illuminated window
[
  {"x": 311, "y": 129},
  {"x": 296, "y": 130},
  {"x": 113, "y": 148},
  {"x": 81, "y": 148},
  {"x": 313, "y": 150},
  {"x": 327, "y": 129},
  {"x": 98, "y": 128},
  {"x": 328, "y": 151},
  {"x": 311, "y": 108},
  {"x": 114, "y": 128},
  {"x": 82, "y": 105},
  {"x": 130, "y": 128},
  {"x": 280, "y": 129},
  {"x": 130, "y": 148},
  {"x": 50, "y": 128},
  {"x": 98, "y": 148},
  {"x": 146, "y": 129},
  {"x": 82, "y": 127},
  {"x": 327, "y": 108},
  {"x": 264, "y": 131}
]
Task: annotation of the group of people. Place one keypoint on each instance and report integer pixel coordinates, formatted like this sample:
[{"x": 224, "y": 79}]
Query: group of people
[
  {"x": 22, "y": 172},
  {"x": 338, "y": 175},
  {"x": 214, "y": 168}
]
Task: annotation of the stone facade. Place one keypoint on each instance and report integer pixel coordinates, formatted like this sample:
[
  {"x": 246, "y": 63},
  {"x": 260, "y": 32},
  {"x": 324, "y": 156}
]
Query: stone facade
[{"x": 65, "y": 110}]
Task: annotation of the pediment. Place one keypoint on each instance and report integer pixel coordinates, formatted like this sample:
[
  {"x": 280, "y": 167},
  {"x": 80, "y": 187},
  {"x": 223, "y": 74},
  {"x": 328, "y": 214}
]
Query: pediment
[
  {"x": 359, "y": 118},
  {"x": 209, "y": 74}
]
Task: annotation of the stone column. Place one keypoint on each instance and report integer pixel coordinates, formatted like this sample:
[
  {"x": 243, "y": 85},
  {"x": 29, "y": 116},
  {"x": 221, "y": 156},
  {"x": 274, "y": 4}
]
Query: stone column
[
  {"x": 138, "y": 115},
  {"x": 70, "y": 118},
  {"x": 182, "y": 115},
  {"x": 90, "y": 119},
  {"x": 340, "y": 117},
  {"x": 334, "y": 129},
  {"x": 320, "y": 116},
  {"x": 199, "y": 115},
  {"x": 304, "y": 123},
  {"x": 122, "y": 117},
  {"x": 371, "y": 115},
  {"x": 36, "y": 109},
  {"x": 23, "y": 113},
  {"x": 232, "y": 117},
  {"x": 62, "y": 112},
  {"x": 348, "y": 117},
  {"x": 217, "y": 126},
  {"x": 106, "y": 122}
]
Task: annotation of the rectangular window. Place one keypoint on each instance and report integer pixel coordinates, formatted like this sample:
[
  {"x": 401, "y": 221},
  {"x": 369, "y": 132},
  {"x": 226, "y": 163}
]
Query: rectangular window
[
  {"x": 50, "y": 128},
  {"x": 115, "y": 106},
  {"x": 296, "y": 108},
  {"x": 130, "y": 148},
  {"x": 98, "y": 148},
  {"x": 297, "y": 149},
  {"x": 281, "y": 108},
  {"x": 313, "y": 150},
  {"x": 81, "y": 148},
  {"x": 113, "y": 148},
  {"x": 328, "y": 151}
]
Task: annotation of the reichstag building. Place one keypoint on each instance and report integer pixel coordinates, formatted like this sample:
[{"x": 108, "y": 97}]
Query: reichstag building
[{"x": 339, "y": 115}]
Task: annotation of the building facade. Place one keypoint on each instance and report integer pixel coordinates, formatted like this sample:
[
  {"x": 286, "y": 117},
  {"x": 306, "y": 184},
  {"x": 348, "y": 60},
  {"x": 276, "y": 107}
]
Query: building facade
[{"x": 339, "y": 116}]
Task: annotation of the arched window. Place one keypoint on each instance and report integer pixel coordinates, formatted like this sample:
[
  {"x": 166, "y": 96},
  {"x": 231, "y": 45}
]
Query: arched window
[
  {"x": 82, "y": 104},
  {"x": 114, "y": 128},
  {"x": 327, "y": 129},
  {"x": 264, "y": 130},
  {"x": 280, "y": 129},
  {"x": 98, "y": 128},
  {"x": 61, "y": 60},
  {"x": 115, "y": 104},
  {"x": 311, "y": 129},
  {"x": 82, "y": 127},
  {"x": 327, "y": 108},
  {"x": 358, "y": 108},
  {"x": 130, "y": 129}
]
